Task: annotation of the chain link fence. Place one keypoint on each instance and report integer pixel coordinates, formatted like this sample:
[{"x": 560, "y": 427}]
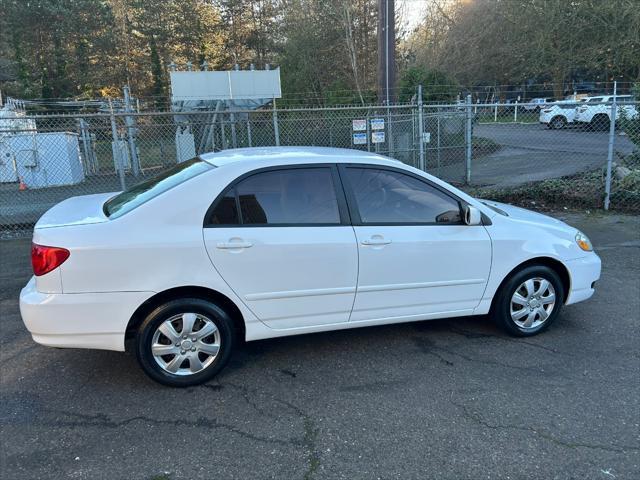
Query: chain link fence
[
  {"x": 537, "y": 155},
  {"x": 556, "y": 155}
]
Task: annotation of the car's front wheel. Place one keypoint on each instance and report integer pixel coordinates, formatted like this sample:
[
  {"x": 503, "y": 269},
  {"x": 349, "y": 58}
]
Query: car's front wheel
[
  {"x": 529, "y": 301},
  {"x": 185, "y": 342}
]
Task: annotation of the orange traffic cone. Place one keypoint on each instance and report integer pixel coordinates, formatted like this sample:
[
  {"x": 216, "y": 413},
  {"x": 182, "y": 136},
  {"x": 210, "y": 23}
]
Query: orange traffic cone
[{"x": 22, "y": 186}]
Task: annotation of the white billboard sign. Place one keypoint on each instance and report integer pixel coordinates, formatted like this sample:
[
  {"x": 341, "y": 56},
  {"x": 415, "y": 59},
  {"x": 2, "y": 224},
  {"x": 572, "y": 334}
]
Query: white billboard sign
[{"x": 227, "y": 85}]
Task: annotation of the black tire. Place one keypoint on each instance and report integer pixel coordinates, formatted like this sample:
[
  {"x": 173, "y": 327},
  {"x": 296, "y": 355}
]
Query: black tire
[
  {"x": 557, "y": 123},
  {"x": 600, "y": 122},
  {"x": 203, "y": 310},
  {"x": 501, "y": 309}
]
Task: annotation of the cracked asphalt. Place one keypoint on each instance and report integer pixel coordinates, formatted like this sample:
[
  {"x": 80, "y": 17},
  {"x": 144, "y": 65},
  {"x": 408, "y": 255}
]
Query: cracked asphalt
[{"x": 449, "y": 399}]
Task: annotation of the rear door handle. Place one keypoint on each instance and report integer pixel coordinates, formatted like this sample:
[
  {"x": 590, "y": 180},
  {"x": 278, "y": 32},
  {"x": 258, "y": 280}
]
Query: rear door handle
[{"x": 233, "y": 245}]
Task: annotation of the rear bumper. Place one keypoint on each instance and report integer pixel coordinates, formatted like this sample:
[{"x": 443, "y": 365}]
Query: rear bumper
[
  {"x": 584, "y": 273},
  {"x": 79, "y": 320}
]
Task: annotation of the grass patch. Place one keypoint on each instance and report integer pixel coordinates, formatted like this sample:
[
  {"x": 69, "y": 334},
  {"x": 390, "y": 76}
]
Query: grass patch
[{"x": 581, "y": 191}]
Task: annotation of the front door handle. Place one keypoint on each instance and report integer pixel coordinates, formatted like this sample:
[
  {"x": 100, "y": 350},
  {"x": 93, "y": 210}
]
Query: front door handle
[
  {"x": 376, "y": 241},
  {"x": 233, "y": 245}
]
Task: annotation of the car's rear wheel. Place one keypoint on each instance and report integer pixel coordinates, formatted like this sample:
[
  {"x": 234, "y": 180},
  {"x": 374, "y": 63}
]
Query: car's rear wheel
[
  {"x": 185, "y": 342},
  {"x": 529, "y": 301},
  {"x": 557, "y": 123}
]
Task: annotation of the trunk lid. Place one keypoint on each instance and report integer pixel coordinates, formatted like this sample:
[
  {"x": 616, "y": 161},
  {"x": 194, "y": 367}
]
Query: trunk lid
[{"x": 76, "y": 211}]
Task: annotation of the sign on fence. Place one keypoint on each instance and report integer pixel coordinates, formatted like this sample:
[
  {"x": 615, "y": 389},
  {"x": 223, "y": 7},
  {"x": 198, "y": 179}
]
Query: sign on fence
[
  {"x": 377, "y": 137},
  {"x": 359, "y": 125},
  {"x": 359, "y": 138},
  {"x": 377, "y": 124}
]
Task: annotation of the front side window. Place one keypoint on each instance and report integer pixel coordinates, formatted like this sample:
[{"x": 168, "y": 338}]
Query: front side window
[
  {"x": 388, "y": 197},
  {"x": 300, "y": 196}
]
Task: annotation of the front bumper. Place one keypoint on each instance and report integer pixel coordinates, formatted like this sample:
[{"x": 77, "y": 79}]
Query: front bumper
[
  {"x": 79, "y": 320},
  {"x": 584, "y": 272}
]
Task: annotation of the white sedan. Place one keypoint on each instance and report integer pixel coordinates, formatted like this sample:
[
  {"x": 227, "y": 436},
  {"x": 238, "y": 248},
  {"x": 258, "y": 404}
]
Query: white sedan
[{"x": 257, "y": 243}]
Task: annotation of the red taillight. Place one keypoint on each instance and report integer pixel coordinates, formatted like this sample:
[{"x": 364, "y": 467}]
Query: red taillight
[{"x": 44, "y": 259}]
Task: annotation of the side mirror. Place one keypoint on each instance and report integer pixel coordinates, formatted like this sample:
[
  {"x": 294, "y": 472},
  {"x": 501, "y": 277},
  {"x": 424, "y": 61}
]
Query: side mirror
[{"x": 472, "y": 216}]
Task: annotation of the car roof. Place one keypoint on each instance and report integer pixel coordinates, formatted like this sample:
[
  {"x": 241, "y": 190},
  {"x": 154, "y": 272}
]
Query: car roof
[
  {"x": 267, "y": 156},
  {"x": 604, "y": 95}
]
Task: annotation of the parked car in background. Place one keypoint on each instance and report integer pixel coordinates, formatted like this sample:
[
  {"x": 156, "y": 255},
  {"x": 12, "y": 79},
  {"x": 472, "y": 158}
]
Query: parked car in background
[
  {"x": 596, "y": 111},
  {"x": 577, "y": 97},
  {"x": 256, "y": 243},
  {"x": 535, "y": 104},
  {"x": 559, "y": 114}
]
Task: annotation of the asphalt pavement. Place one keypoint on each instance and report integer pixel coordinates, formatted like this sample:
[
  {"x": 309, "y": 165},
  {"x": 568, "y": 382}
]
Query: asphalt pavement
[
  {"x": 445, "y": 399},
  {"x": 532, "y": 152}
]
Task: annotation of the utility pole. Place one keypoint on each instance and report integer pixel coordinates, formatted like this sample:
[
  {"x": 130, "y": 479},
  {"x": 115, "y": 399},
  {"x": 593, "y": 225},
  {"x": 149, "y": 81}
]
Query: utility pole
[{"x": 386, "y": 51}]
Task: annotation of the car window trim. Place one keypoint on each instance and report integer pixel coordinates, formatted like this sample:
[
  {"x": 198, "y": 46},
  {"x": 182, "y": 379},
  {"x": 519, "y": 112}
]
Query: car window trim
[
  {"x": 343, "y": 210},
  {"x": 356, "y": 220}
]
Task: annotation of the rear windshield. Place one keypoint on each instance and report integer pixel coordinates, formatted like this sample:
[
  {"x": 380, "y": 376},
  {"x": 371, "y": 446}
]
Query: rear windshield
[{"x": 143, "y": 192}]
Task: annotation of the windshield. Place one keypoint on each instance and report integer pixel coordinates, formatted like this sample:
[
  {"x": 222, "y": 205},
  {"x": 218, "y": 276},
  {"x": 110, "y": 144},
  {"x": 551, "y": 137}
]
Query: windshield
[{"x": 143, "y": 192}]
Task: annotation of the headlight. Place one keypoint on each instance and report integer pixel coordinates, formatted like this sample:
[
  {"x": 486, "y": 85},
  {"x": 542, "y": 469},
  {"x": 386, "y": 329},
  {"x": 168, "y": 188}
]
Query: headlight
[{"x": 583, "y": 242}]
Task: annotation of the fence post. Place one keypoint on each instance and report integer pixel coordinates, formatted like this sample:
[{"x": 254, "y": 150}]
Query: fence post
[
  {"x": 515, "y": 113},
  {"x": 135, "y": 162},
  {"x": 368, "y": 130},
  {"x": 421, "y": 128},
  {"x": 390, "y": 143},
  {"x": 467, "y": 132},
  {"x": 276, "y": 130},
  {"x": 223, "y": 133},
  {"x": 612, "y": 135},
  {"x": 495, "y": 113},
  {"x": 438, "y": 115},
  {"x": 115, "y": 148},
  {"x": 234, "y": 137},
  {"x": 89, "y": 154}
]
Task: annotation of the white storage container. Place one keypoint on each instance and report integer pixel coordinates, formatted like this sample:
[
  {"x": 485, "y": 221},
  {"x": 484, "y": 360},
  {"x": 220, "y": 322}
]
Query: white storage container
[
  {"x": 7, "y": 167},
  {"x": 47, "y": 159}
]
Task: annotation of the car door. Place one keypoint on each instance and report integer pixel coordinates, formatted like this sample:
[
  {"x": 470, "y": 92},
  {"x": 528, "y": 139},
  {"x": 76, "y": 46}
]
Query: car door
[
  {"x": 417, "y": 258},
  {"x": 281, "y": 239}
]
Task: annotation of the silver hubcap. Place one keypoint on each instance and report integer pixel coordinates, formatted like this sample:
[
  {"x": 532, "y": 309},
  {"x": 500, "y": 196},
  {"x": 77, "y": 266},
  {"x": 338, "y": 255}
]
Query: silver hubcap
[
  {"x": 532, "y": 303},
  {"x": 186, "y": 344}
]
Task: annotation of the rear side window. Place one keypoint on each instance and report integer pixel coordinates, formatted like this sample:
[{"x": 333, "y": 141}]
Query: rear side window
[
  {"x": 301, "y": 196},
  {"x": 388, "y": 197},
  {"x": 143, "y": 192},
  {"x": 226, "y": 212}
]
